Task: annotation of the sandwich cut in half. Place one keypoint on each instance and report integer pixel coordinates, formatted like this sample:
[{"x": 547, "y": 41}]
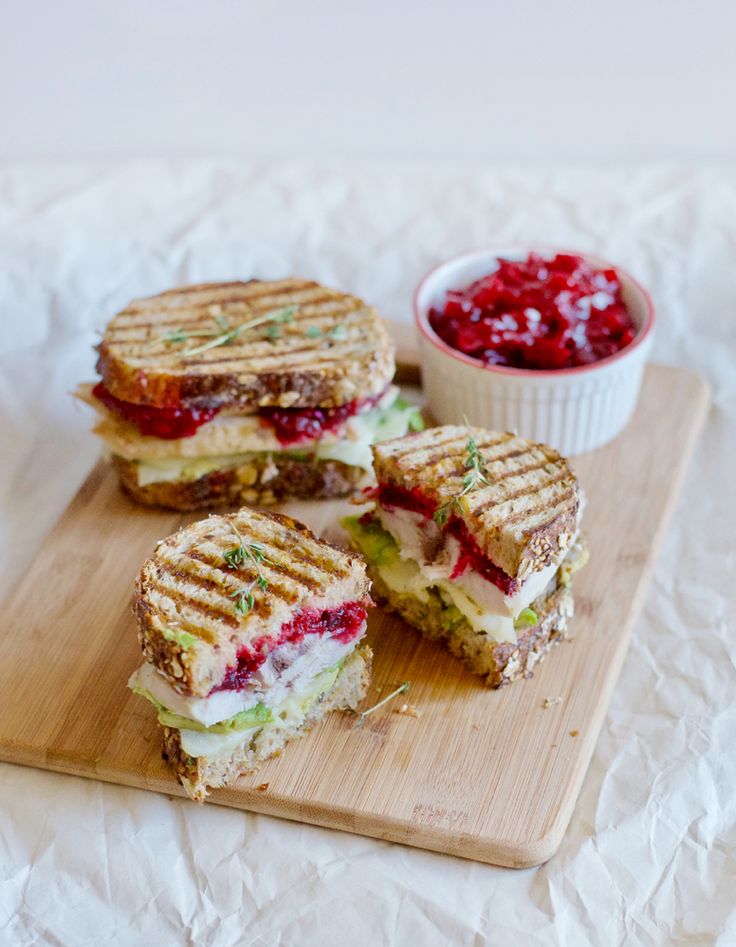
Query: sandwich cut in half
[
  {"x": 229, "y": 393},
  {"x": 473, "y": 539},
  {"x": 251, "y": 629}
]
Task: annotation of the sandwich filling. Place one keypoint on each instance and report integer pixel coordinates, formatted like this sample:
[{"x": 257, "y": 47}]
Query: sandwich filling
[
  {"x": 291, "y": 425},
  {"x": 273, "y": 683},
  {"x": 181, "y": 444},
  {"x": 415, "y": 556}
]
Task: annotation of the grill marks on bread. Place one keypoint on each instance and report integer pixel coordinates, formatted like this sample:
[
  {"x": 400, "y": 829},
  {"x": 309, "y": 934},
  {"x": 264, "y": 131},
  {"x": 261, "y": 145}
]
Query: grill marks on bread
[
  {"x": 141, "y": 342},
  {"x": 523, "y": 518},
  {"x": 137, "y": 364},
  {"x": 187, "y": 586}
]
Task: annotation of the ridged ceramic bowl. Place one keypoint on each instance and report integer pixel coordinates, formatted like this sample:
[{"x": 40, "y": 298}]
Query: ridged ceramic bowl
[{"x": 571, "y": 409}]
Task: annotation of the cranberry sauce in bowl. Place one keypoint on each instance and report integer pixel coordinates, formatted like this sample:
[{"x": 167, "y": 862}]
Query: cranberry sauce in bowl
[
  {"x": 537, "y": 313},
  {"x": 550, "y": 344}
]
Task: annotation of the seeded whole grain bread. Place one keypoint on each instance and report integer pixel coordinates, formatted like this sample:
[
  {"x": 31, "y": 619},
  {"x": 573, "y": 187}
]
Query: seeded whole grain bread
[
  {"x": 199, "y": 774},
  {"x": 498, "y": 663},
  {"x": 334, "y": 351},
  {"x": 188, "y": 626},
  {"x": 260, "y": 480},
  {"x": 526, "y": 515}
]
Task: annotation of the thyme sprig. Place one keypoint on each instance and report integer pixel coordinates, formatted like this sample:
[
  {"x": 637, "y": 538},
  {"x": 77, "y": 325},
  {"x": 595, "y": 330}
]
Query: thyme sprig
[
  {"x": 244, "y": 599},
  {"x": 402, "y": 689},
  {"x": 476, "y": 476},
  {"x": 243, "y": 552},
  {"x": 277, "y": 317},
  {"x": 237, "y": 556},
  {"x": 181, "y": 335},
  {"x": 338, "y": 333},
  {"x": 223, "y": 334}
]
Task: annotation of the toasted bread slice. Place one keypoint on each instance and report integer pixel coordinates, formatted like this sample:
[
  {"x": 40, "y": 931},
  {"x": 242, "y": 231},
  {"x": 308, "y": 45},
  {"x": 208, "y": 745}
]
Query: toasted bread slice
[
  {"x": 202, "y": 773},
  {"x": 260, "y": 480},
  {"x": 335, "y": 349},
  {"x": 526, "y": 514},
  {"x": 186, "y": 595}
]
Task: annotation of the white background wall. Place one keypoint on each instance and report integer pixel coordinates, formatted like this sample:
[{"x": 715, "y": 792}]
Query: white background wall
[{"x": 324, "y": 79}]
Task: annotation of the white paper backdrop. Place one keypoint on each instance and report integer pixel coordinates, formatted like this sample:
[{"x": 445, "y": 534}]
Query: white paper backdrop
[
  {"x": 649, "y": 856},
  {"x": 477, "y": 80}
]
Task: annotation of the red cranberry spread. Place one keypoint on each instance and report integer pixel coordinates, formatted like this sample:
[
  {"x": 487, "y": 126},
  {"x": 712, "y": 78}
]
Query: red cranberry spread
[
  {"x": 299, "y": 425},
  {"x": 537, "y": 314},
  {"x": 471, "y": 555},
  {"x": 166, "y": 423},
  {"x": 291, "y": 425},
  {"x": 390, "y": 494},
  {"x": 343, "y": 623}
]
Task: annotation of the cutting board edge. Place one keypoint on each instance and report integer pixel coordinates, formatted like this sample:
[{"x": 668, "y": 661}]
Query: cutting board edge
[
  {"x": 566, "y": 809},
  {"x": 490, "y": 851}
]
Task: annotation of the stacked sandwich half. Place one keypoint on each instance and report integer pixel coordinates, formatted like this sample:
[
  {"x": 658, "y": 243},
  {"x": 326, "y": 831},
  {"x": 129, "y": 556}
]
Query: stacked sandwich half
[
  {"x": 473, "y": 540},
  {"x": 250, "y": 627},
  {"x": 231, "y": 393}
]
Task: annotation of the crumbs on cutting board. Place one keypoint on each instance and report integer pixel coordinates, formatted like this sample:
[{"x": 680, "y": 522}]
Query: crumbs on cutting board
[
  {"x": 574, "y": 733},
  {"x": 551, "y": 701},
  {"x": 262, "y": 788},
  {"x": 408, "y": 710}
]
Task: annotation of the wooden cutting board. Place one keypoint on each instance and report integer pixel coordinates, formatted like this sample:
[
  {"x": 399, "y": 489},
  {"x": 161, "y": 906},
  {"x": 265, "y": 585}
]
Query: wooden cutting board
[{"x": 487, "y": 775}]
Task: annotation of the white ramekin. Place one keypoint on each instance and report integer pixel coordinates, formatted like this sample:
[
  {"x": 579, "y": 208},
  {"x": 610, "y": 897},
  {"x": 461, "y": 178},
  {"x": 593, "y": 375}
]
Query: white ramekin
[{"x": 571, "y": 409}]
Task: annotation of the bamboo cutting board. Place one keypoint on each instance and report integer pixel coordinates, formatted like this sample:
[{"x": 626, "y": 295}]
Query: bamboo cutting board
[{"x": 488, "y": 775}]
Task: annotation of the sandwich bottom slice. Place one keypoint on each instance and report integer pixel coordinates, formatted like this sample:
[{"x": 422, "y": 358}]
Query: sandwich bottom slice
[
  {"x": 204, "y": 761},
  {"x": 538, "y": 628},
  {"x": 255, "y": 479}
]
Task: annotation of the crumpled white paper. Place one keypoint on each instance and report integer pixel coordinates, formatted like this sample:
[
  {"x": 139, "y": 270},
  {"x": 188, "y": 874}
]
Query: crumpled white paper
[{"x": 649, "y": 856}]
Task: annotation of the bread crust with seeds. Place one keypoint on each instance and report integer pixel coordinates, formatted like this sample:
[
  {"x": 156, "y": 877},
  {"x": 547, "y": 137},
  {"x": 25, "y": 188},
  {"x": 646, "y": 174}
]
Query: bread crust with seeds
[
  {"x": 309, "y": 362},
  {"x": 188, "y": 626},
  {"x": 262, "y": 480},
  {"x": 526, "y": 515}
]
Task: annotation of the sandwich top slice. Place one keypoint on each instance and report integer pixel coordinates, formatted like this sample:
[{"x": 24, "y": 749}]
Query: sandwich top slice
[
  {"x": 250, "y": 628},
  {"x": 253, "y": 392},
  {"x": 473, "y": 538},
  {"x": 260, "y": 343}
]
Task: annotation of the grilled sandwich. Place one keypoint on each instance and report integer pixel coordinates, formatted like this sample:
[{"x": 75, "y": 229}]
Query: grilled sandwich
[
  {"x": 473, "y": 539},
  {"x": 251, "y": 630},
  {"x": 230, "y": 393}
]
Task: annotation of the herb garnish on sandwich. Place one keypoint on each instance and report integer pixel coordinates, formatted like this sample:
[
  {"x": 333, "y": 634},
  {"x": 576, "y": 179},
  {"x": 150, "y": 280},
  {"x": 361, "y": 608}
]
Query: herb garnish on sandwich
[
  {"x": 473, "y": 539},
  {"x": 250, "y": 627},
  {"x": 230, "y": 393}
]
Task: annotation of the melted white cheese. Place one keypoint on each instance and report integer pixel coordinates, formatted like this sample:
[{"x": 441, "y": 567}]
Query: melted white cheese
[
  {"x": 289, "y": 670},
  {"x": 196, "y": 743},
  {"x": 290, "y": 712},
  {"x": 407, "y": 577},
  {"x": 351, "y": 445}
]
